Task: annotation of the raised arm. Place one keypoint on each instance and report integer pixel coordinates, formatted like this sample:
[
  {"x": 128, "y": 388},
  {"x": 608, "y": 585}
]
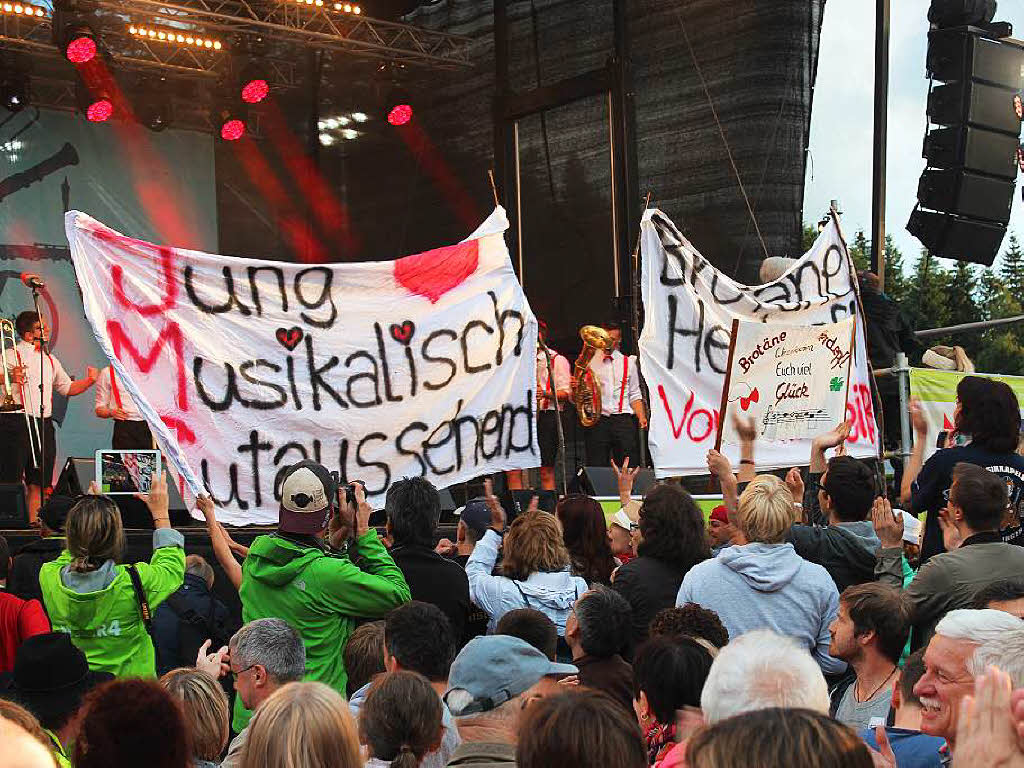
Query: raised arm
[
  {"x": 218, "y": 540},
  {"x": 916, "y": 460},
  {"x": 747, "y": 431},
  {"x": 719, "y": 466}
]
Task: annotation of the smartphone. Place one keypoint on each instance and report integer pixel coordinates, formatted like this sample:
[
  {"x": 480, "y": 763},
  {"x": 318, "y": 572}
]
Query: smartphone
[{"x": 126, "y": 472}]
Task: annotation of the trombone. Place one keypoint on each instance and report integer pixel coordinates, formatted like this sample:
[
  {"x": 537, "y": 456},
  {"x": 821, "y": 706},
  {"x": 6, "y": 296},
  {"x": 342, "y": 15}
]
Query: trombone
[{"x": 8, "y": 345}]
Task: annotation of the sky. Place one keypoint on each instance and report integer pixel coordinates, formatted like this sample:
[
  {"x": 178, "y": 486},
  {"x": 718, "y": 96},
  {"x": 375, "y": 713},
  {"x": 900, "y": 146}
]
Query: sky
[{"x": 841, "y": 143}]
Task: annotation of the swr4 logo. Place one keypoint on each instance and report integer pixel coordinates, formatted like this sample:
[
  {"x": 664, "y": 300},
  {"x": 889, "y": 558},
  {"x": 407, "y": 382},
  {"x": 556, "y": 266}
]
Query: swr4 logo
[{"x": 113, "y": 629}]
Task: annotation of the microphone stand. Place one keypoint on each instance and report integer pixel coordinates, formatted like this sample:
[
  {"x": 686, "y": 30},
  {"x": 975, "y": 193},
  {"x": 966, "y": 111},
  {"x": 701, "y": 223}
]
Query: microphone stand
[
  {"x": 44, "y": 481},
  {"x": 558, "y": 415}
]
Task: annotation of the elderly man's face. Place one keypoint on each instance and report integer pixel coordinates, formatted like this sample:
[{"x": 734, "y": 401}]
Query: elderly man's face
[{"x": 944, "y": 684}]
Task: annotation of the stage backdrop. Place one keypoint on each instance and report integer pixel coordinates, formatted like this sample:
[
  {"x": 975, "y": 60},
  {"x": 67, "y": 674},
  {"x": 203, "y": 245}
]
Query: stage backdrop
[
  {"x": 684, "y": 348},
  {"x": 422, "y": 366},
  {"x": 125, "y": 175}
]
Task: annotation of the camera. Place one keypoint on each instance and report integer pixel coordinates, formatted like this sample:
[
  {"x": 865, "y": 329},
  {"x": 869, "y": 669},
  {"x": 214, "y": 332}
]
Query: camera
[{"x": 350, "y": 491}]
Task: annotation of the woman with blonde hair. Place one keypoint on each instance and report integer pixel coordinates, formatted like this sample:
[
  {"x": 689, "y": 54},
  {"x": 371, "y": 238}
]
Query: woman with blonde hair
[
  {"x": 93, "y": 598},
  {"x": 302, "y": 724},
  {"x": 762, "y": 583},
  {"x": 535, "y": 567},
  {"x": 206, "y": 712}
]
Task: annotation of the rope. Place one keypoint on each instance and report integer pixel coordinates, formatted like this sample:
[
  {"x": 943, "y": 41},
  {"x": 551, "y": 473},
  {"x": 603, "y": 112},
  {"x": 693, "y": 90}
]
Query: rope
[{"x": 721, "y": 132}]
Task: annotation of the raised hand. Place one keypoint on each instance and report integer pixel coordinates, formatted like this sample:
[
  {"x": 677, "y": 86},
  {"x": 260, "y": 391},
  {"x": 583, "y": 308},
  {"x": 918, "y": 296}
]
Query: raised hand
[
  {"x": 214, "y": 664},
  {"x": 917, "y": 419},
  {"x": 746, "y": 429},
  {"x": 835, "y": 437},
  {"x": 888, "y": 525},
  {"x": 718, "y": 464},
  {"x": 158, "y": 501},
  {"x": 625, "y": 478},
  {"x": 986, "y": 732},
  {"x": 795, "y": 483},
  {"x": 497, "y": 513}
]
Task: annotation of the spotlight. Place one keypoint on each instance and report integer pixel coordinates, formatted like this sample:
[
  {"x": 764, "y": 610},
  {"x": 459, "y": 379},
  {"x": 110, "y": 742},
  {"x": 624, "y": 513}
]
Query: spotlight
[
  {"x": 230, "y": 123},
  {"x": 94, "y": 102},
  {"x": 360, "y": 117},
  {"x": 400, "y": 114},
  {"x": 326, "y": 139},
  {"x": 253, "y": 83},
  {"x": 79, "y": 45},
  {"x": 14, "y": 91},
  {"x": 348, "y": 133},
  {"x": 167, "y": 35}
]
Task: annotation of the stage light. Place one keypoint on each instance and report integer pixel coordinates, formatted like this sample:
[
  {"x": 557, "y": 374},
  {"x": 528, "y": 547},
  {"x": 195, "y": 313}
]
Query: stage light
[
  {"x": 99, "y": 111},
  {"x": 173, "y": 36},
  {"x": 400, "y": 114},
  {"x": 326, "y": 139},
  {"x": 253, "y": 84},
  {"x": 355, "y": 10},
  {"x": 360, "y": 117},
  {"x": 79, "y": 45},
  {"x": 21, "y": 9},
  {"x": 232, "y": 130},
  {"x": 14, "y": 91},
  {"x": 350, "y": 134}
]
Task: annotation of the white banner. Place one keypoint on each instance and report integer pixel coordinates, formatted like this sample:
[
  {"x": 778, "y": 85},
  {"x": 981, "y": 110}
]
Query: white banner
[
  {"x": 790, "y": 379},
  {"x": 689, "y": 307},
  {"x": 420, "y": 366}
]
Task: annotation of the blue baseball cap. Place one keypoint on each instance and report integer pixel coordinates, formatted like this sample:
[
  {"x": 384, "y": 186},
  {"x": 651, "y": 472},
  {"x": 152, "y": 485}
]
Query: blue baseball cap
[
  {"x": 494, "y": 669},
  {"x": 476, "y": 516}
]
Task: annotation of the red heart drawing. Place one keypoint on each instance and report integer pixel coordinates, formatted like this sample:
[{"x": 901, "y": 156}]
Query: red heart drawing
[
  {"x": 746, "y": 401},
  {"x": 403, "y": 333},
  {"x": 434, "y": 273},
  {"x": 289, "y": 337}
]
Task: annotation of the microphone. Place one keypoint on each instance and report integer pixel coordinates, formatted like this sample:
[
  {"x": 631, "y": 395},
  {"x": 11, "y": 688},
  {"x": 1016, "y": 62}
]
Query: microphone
[{"x": 32, "y": 281}]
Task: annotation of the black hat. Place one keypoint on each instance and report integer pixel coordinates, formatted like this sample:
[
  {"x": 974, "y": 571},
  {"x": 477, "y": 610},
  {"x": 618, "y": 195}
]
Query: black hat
[
  {"x": 50, "y": 678},
  {"x": 55, "y": 511}
]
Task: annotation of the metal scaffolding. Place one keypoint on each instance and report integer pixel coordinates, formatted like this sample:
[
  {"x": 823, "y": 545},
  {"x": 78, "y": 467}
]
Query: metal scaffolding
[{"x": 281, "y": 29}]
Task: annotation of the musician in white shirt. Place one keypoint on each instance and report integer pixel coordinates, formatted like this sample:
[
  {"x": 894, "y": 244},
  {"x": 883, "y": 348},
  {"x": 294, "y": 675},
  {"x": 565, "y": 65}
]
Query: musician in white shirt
[
  {"x": 622, "y": 406},
  {"x": 547, "y": 426},
  {"x": 20, "y": 456},
  {"x": 131, "y": 432}
]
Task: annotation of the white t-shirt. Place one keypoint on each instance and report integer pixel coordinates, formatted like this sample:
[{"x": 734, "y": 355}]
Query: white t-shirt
[
  {"x": 54, "y": 377},
  {"x": 105, "y": 395},
  {"x": 619, "y": 380},
  {"x": 563, "y": 378}
]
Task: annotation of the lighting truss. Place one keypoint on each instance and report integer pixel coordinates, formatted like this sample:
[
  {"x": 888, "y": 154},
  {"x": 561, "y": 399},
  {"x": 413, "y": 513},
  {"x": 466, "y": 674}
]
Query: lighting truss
[{"x": 316, "y": 26}]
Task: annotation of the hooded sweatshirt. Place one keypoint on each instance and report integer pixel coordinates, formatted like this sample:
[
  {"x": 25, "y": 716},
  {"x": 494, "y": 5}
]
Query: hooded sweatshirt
[
  {"x": 768, "y": 586},
  {"x": 845, "y": 550},
  {"x": 321, "y": 594},
  {"x": 551, "y": 593},
  {"x": 99, "y": 608}
]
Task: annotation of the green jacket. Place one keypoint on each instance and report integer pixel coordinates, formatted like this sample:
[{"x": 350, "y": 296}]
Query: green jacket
[
  {"x": 319, "y": 594},
  {"x": 106, "y": 624}
]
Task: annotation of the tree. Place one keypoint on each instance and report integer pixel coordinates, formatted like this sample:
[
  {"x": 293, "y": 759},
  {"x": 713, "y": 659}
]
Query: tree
[
  {"x": 860, "y": 251},
  {"x": 928, "y": 298},
  {"x": 1012, "y": 269}
]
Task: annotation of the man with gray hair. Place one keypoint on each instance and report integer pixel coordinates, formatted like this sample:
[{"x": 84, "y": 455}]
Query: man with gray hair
[
  {"x": 598, "y": 625},
  {"x": 760, "y": 670},
  {"x": 264, "y": 655},
  {"x": 964, "y": 644}
]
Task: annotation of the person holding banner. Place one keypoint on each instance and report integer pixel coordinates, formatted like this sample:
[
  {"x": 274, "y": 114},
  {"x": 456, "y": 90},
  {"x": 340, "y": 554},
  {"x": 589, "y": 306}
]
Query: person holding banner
[
  {"x": 622, "y": 406},
  {"x": 131, "y": 432},
  {"x": 22, "y": 434}
]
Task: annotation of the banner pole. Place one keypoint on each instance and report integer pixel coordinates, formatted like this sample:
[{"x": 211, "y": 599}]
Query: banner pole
[
  {"x": 635, "y": 283},
  {"x": 725, "y": 387}
]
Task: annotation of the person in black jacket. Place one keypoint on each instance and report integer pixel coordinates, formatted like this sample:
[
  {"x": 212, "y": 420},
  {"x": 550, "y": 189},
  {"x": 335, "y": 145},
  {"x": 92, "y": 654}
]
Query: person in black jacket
[
  {"x": 672, "y": 540},
  {"x": 413, "y": 508},
  {"x": 23, "y": 579},
  {"x": 190, "y": 617},
  {"x": 840, "y": 536}
]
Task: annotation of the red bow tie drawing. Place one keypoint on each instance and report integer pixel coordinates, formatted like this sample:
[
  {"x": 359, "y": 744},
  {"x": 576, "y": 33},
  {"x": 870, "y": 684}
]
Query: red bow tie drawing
[{"x": 746, "y": 401}]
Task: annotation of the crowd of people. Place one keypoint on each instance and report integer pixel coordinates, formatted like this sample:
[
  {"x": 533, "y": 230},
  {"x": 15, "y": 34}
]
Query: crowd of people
[{"x": 802, "y": 624}]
